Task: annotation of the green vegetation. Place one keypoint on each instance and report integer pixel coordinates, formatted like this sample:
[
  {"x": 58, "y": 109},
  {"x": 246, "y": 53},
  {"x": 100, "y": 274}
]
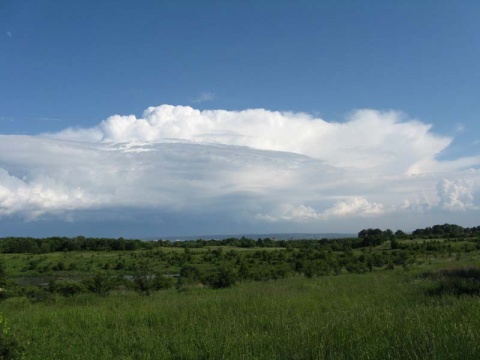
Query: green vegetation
[
  {"x": 10, "y": 348},
  {"x": 383, "y": 295}
]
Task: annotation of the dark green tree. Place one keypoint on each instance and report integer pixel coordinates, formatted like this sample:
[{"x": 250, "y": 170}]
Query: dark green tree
[{"x": 224, "y": 276}]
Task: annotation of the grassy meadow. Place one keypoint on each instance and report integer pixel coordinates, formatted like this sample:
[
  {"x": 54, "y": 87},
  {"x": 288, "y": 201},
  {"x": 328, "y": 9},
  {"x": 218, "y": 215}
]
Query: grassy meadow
[{"x": 388, "y": 312}]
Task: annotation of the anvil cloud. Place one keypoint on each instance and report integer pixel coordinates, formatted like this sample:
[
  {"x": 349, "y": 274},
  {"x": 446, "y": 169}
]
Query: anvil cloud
[{"x": 255, "y": 168}]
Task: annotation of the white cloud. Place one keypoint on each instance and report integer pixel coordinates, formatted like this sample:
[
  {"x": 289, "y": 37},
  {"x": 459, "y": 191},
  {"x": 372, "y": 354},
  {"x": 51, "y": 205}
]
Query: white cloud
[
  {"x": 300, "y": 213},
  {"x": 354, "y": 207},
  {"x": 48, "y": 175},
  {"x": 369, "y": 139},
  {"x": 421, "y": 204},
  {"x": 456, "y": 195},
  {"x": 249, "y": 166},
  {"x": 38, "y": 197}
]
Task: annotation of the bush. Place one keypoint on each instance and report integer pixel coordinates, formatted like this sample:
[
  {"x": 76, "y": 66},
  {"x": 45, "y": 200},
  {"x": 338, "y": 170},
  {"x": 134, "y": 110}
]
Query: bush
[
  {"x": 36, "y": 294},
  {"x": 190, "y": 272},
  {"x": 223, "y": 277},
  {"x": 100, "y": 284},
  {"x": 10, "y": 347},
  {"x": 190, "y": 276},
  {"x": 455, "y": 281},
  {"x": 161, "y": 282},
  {"x": 144, "y": 283},
  {"x": 4, "y": 294},
  {"x": 67, "y": 287}
]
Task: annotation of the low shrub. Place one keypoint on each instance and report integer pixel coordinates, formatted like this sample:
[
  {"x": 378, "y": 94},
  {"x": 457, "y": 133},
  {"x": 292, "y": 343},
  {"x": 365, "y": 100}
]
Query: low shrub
[
  {"x": 455, "y": 281},
  {"x": 100, "y": 284},
  {"x": 67, "y": 287},
  {"x": 10, "y": 347},
  {"x": 222, "y": 277},
  {"x": 37, "y": 294}
]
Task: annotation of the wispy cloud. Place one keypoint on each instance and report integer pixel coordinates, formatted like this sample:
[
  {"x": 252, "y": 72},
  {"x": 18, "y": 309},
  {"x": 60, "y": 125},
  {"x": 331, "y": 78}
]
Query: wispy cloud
[
  {"x": 205, "y": 97},
  {"x": 459, "y": 128},
  {"x": 9, "y": 34}
]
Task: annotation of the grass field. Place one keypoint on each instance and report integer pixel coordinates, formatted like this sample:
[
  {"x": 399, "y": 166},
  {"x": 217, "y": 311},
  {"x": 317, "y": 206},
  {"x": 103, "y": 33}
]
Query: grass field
[
  {"x": 402, "y": 311},
  {"x": 379, "y": 315}
]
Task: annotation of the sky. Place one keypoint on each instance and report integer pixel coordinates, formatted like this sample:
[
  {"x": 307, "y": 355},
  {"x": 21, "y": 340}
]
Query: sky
[{"x": 172, "y": 118}]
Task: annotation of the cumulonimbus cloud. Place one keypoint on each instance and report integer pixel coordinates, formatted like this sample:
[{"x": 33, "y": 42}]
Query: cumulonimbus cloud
[
  {"x": 369, "y": 139},
  {"x": 272, "y": 166}
]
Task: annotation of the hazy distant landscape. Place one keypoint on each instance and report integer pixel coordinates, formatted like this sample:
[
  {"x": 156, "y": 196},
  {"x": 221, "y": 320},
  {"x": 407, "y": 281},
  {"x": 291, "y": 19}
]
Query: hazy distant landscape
[{"x": 276, "y": 236}]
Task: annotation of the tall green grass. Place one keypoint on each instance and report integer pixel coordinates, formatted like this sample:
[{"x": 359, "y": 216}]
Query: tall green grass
[{"x": 380, "y": 315}]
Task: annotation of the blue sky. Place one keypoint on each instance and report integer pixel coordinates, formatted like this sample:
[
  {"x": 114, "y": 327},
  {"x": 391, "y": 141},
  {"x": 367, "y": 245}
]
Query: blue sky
[{"x": 401, "y": 76}]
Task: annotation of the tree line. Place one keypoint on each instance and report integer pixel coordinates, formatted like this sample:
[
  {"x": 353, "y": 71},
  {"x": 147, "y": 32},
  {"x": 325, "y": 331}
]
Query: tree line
[{"x": 366, "y": 237}]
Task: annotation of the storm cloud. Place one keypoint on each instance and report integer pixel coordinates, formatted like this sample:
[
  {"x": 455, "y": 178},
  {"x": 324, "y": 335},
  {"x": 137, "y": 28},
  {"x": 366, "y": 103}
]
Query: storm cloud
[{"x": 254, "y": 167}]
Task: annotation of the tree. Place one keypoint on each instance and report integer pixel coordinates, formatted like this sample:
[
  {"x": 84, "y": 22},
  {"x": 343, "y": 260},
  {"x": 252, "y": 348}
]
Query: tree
[
  {"x": 394, "y": 244},
  {"x": 244, "y": 271},
  {"x": 223, "y": 277},
  {"x": 388, "y": 233},
  {"x": 190, "y": 272},
  {"x": 100, "y": 284},
  {"x": 144, "y": 279}
]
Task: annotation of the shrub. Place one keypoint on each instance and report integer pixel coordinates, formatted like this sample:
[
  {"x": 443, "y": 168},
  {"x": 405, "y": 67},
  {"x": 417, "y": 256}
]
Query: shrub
[
  {"x": 100, "y": 284},
  {"x": 223, "y": 277},
  {"x": 144, "y": 283},
  {"x": 190, "y": 272},
  {"x": 161, "y": 282},
  {"x": 67, "y": 287},
  {"x": 455, "y": 281},
  {"x": 10, "y": 347},
  {"x": 36, "y": 294}
]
